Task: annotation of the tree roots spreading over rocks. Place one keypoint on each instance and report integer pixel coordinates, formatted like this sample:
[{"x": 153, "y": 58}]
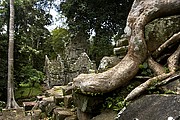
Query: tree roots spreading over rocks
[{"x": 142, "y": 12}]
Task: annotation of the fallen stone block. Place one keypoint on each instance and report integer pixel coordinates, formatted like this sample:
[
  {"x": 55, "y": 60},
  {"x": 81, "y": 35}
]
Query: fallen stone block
[
  {"x": 36, "y": 114},
  {"x": 58, "y": 99},
  {"x": 74, "y": 117},
  {"x": 28, "y": 105},
  {"x": 62, "y": 113},
  {"x": 67, "y": 101},
  {"x": 153, "y": 107}
]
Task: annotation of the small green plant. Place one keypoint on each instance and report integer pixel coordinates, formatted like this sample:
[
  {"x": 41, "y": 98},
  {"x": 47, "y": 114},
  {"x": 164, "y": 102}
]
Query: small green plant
[
  {"x": 31, "y": 83},
  {"x": 169, "y": 92},
  {"x": 116, "y": 103},
  {"x": 144, "y": 69},
  {"x": 61, "y": 104},
  {"x": 167, "y": 69}
]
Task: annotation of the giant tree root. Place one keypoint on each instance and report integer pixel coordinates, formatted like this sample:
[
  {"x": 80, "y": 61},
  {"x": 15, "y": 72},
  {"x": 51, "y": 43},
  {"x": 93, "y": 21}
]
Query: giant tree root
[
  {"x": 174, "y": 39},
  {"x": 141, "y": 88},
  {"x": 173, "y": 64},
  {"x": 142, "y": 12},
  {"x": 155, "y": 67}
]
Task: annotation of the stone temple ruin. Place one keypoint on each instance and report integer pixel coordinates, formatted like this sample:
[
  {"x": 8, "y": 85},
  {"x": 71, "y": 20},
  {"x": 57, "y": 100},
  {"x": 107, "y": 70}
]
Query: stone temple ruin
[
  {"x": 57, "y": 74},
  {"x": 62, "y": 70}
]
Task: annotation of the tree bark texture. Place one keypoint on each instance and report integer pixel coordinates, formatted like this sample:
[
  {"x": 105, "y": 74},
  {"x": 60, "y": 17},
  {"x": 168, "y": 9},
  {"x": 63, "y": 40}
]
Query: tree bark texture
[
  {"x": 11, "y": 103},
  {"x": 142, "y": 12},
  {"x": 173, "y": 65}
]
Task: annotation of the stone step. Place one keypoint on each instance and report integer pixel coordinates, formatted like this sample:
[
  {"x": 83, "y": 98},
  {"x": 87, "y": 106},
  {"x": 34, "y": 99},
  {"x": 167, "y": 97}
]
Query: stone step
[
  {"x": 28, "y": 105},
  {"x": 63, "y": 114},
  {"x": 121, "y": 51},
  {"x": 122, "y": 42},
  {"x": 68, "y": 101}
]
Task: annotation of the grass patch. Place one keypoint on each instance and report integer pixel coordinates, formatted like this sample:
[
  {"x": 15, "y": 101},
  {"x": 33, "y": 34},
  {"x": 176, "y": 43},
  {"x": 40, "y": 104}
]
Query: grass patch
[{"x": 28, "y": 92}]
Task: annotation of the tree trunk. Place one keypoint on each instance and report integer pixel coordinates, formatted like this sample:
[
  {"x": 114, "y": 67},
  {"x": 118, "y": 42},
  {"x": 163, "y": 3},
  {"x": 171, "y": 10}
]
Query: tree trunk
[
  {"x": 11, "y": 103},
  {"x": 142, "y": 12}
]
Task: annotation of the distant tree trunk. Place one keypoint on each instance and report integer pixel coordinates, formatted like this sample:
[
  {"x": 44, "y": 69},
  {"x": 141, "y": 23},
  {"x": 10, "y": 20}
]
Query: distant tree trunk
[
  {"x": 11, "y": 103},
  {"x": 142, "y": 12}
]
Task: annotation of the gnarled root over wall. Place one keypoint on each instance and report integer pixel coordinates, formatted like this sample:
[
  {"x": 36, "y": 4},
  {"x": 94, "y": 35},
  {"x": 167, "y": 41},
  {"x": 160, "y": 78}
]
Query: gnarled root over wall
[{"x": 142, "y": 12}]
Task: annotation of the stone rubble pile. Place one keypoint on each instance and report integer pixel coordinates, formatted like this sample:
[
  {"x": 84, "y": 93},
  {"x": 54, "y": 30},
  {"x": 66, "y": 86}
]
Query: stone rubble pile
[{"x": 57, "y": 104}]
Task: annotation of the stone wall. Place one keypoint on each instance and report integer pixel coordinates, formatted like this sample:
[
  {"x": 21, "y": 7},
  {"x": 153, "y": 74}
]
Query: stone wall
[
  {"x": 54, "y": 71},
  {"x": 62, "y": 70},
  {"x": 59, "y": 74}
]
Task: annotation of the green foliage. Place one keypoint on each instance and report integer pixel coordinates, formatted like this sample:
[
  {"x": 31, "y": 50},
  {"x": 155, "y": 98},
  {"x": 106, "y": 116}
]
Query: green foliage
[
  {"x": 30, "y": 87},
  {"x": 167, "y": 69},
  {"x": 58, "y": 41},
  {"x": 107, "y": 15},
  {"x": 31, "y": 76},
  {"x": 99, "y": 48},
  {"x": 116, "y": 103},
  {"x": 170, "y": 92},
  {"x": 106, "y": 18},
  {"x": 28, "y": 91},
  {"x": 145, "y": 70},
  {"x": 31, "y": 17},
  {"x": 61, "y": 104},
  {"x": 3, "y": 66}
]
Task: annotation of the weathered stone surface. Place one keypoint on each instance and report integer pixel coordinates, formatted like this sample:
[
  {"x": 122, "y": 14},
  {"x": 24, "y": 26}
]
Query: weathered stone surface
[
  {"x": 68, "y": 90},
  {"x": 67, "y": 101},
  {"x": 54, "y": 71},
  {"x": 61, "y": 113},
  {"x": 121, "y": 46},
  {"x": 156, "y": 33},
  {"x": 36, "y": 114},
  {"x": 83, "y": 115},
  {"x": 49, "y": 108},
  {"x": 57, "y": 73},
  {"x": 159, "y": 30},
  {"x": 76, "y": 46},
  {"x": 83, "y": 64},
  {"x": 56, "y": 90},
  {"x": 47, "y": 105},
  {"x": 58, "y": 99},
  {"x": 153, "y": 107},
  {"x": 107, "y": 62},
  {"x": 74, "y": 117},
  {"x": 121, "y": 51},
  {"x": 88, "y": 103},
  {"x": 28, "y": 105},
  {"x": 123, "y": 41},
  {"x": 106, "y": 115},
  {"x": 48, "y": 99},
  {"x": 172, "y": 87},
  {"x": 62, "y": 70},
  {"x": 27, "y": 118},
  {"x": 13, "y": 114}
]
